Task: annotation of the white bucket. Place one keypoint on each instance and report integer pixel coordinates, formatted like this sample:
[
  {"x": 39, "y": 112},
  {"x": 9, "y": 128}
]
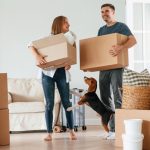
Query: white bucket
[
  {"x": 133, "y": 126},
  {"x": 132, "y": 143}
]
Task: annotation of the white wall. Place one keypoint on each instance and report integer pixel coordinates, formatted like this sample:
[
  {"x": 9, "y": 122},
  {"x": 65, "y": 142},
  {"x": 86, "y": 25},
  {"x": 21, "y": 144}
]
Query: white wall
[{"x": 22, "y": 21}]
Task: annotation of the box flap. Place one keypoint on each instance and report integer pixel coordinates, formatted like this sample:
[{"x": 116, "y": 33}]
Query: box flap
[{"x": 49, "y": 40}]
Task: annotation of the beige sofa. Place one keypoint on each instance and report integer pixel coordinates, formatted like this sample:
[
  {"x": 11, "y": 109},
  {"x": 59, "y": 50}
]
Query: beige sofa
[{"x": 27, "y": 105}]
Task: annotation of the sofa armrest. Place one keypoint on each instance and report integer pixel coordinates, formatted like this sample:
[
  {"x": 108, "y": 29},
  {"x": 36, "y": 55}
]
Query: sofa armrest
[{"x": 9, "y": 98}]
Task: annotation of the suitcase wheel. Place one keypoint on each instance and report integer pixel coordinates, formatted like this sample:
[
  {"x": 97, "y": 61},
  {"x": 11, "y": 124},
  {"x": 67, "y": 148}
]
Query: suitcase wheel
[
  {"x": 63, "y": 129},
  {"x": 83, "y": 127},
  {"x": 75, "y": 129}
]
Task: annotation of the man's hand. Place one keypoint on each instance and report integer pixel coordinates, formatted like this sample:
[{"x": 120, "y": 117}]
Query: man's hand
[{"x": 116, "y": 49}]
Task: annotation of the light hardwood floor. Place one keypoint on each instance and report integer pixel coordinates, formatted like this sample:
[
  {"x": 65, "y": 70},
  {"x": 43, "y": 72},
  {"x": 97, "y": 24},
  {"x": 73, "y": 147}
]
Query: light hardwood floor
[{"x": 87, "y": 140}]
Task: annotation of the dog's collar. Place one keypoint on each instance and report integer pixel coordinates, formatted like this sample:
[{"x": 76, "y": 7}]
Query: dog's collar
[{"x": 91, "y": 92}]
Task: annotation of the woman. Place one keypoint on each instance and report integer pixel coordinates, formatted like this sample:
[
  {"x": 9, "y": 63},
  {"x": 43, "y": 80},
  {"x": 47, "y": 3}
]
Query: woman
[{"x": 59, "y": 76}]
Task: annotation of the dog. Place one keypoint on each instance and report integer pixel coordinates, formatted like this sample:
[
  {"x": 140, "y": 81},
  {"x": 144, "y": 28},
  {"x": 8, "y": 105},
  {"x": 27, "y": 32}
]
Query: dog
[{"x": 92, "y": 100}]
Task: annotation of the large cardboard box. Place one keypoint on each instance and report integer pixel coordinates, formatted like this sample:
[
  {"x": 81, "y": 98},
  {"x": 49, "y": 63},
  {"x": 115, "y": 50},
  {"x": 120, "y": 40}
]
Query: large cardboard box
[
  {"x": 57, "y": 51},
  {"x": 3, "y": 91},
  {"x": 4, "y": 127},
  {"x": 94, "y": 53},
  {"x": 122, "y": 114}
]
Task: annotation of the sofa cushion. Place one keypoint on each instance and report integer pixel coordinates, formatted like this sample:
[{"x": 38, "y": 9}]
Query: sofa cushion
[
  {"x": 133, "y": 78},
  {"x": 26, "y": 107},
  {"x": 25, "y": 90}
]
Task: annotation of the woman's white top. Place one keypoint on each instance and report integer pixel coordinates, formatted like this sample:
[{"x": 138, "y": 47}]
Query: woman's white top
[{"x": 71, "y": 37}]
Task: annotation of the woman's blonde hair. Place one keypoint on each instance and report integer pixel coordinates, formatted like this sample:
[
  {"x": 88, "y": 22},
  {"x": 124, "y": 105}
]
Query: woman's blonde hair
[{"x": 57, "y": 25}]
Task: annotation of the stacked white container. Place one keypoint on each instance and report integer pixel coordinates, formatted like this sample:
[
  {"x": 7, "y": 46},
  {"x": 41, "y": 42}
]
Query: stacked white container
[{"x": 133, "y": 137}]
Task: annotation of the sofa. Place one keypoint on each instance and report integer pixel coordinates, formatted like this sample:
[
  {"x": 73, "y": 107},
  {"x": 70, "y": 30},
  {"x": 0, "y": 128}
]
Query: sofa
[{"x": 27, "y": 105}]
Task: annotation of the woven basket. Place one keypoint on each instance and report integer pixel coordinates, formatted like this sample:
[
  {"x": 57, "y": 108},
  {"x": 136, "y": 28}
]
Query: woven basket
[{"x": 136, "y": 97}]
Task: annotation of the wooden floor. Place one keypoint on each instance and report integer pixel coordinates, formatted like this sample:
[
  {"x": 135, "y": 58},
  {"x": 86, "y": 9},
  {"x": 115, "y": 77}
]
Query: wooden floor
[{"x": 87, "y": 140}]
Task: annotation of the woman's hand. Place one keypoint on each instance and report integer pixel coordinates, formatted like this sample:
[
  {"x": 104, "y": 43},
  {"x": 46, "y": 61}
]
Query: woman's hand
[
  {"x": 67, "y": 67},
  {"x": 74, "y": 45},
  {"x": 40, "y": 60}
]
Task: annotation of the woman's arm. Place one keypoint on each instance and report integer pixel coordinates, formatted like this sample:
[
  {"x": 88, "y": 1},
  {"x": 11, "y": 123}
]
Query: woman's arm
[{"x": 39, "y": 58}]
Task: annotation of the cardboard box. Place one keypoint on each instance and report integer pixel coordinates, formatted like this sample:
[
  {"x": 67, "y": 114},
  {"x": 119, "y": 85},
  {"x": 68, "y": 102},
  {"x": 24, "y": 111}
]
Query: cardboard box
[
  {"x": 3, "y": 91},
  {"x": 57, "y": 51},
  {"x": 4, "y": 127},
  {"x": 94, "y": 53},
  {"x": 122, "y": 114}
]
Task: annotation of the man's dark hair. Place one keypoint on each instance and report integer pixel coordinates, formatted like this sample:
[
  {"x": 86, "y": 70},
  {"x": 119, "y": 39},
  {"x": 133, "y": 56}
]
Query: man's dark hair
[{"x": 108, "y": 5}]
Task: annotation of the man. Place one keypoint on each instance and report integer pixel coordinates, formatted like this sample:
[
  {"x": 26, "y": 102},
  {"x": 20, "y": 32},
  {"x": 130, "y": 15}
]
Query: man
[{"x": 113, "y": 78}]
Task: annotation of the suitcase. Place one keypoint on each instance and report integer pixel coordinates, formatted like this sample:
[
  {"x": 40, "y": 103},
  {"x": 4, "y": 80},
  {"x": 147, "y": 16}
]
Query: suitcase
[{"x": 78, "y": 112}]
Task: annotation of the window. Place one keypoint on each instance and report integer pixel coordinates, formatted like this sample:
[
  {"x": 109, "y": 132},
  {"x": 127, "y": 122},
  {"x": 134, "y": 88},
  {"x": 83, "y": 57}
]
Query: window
[{"x": 138, "y": 19}]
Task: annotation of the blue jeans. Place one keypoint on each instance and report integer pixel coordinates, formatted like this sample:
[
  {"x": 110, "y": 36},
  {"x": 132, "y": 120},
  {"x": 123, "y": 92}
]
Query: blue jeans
[{"x": 48, "y": 84}]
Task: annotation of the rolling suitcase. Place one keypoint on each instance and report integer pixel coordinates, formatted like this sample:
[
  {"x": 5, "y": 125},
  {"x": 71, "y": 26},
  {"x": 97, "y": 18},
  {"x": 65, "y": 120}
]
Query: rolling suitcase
[{"x": 78, "y": 112}]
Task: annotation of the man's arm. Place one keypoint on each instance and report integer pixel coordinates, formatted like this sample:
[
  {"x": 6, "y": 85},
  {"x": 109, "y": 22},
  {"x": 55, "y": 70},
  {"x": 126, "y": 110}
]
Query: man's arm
[{"x": 128, "y": 44}]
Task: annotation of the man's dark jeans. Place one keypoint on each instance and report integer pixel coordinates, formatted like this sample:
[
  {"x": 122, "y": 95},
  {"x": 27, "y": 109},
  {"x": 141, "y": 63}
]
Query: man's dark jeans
[{"x": 108, "y": 79}]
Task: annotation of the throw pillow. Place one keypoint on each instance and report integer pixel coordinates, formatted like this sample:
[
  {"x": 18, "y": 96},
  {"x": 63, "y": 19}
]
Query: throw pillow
[
  {"x": 145, "y": 71},
  {"x": 133, "y": 78}
]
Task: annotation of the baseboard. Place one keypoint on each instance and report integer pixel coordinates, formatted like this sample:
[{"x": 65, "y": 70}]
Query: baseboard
[{"x": 92, "y": 121}]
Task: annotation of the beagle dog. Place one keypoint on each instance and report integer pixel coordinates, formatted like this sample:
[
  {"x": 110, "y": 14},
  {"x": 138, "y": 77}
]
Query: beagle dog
[{"x": 92, "y": 100}]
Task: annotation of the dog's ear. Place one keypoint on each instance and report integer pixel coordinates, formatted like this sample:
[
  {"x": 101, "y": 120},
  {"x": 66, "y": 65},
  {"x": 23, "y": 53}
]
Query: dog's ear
[{"x": 92, "y": 86}]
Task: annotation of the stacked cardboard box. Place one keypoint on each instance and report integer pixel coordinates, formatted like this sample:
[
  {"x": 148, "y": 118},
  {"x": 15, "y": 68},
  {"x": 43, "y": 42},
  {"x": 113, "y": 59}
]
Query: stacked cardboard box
[
  {"x": 4, "y": 112},
  {"x": 56, "y": 51},
  {"x": 95, "y": 56},
  {"x": 122, "y": 114}
]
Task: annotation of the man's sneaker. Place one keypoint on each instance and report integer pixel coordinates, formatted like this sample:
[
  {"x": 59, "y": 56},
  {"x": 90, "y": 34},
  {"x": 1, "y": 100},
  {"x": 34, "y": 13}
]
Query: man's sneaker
[
  {"x": 105, "y": 135},
  {"x": 111, "y": 136}
]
